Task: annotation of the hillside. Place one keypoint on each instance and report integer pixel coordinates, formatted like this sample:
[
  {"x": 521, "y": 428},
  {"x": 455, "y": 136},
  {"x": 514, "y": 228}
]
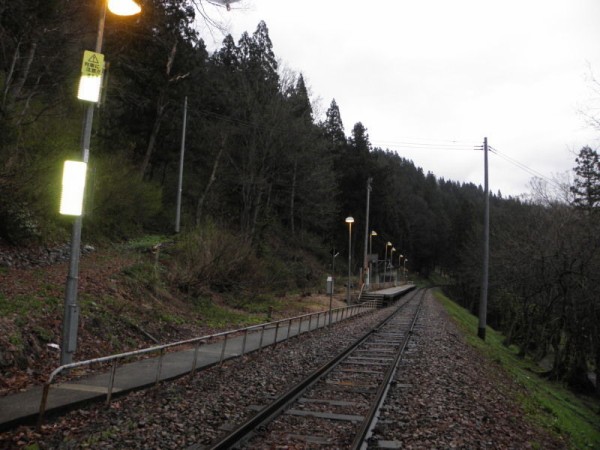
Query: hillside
[{"x": 126, "y": 303}]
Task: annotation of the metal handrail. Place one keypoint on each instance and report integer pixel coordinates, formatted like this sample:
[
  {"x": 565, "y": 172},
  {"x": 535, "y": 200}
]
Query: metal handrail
[{"x": 351, "y": 309}]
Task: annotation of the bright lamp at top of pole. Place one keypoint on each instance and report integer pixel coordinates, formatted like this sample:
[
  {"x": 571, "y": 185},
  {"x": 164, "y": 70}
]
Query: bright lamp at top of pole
[{"x": 124, "y": 7}]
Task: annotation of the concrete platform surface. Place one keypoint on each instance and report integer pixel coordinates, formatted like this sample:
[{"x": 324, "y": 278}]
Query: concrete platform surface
[{"x": 23, "y": 407}]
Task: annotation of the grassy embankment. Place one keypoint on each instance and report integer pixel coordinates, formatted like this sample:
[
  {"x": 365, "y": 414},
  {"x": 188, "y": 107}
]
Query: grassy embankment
[{"x": 548, "y": 404}]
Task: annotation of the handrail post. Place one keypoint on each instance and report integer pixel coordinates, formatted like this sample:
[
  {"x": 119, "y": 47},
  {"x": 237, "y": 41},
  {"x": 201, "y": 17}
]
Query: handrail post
[
  {"x": 310, "y": 321},
  {"x": 159, "y": 366},
  {"x": 276, "y": 333},
  {"x": 223, "y": 349},
  {"x": 195, "y": 360},
  {"x": 244, "y": 342},
  {"x": 43, "y": 404},
  {"x": 111, "y": 382},
  {"x": 289, "y": 330},
  {"x": 262, "y": 333}
]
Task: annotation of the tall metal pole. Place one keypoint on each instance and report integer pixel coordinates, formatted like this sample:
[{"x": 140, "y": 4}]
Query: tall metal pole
[
  {"x": 385, "y": 264},
  {"x": 486, "y": 248},
  {"x": 371, "y": 234},
  {"x": 365, "y": 270},
  {"x": 181, "y": 155},
  {"x": 349, "y": 260},
  {"x": 71, "y": 309}
]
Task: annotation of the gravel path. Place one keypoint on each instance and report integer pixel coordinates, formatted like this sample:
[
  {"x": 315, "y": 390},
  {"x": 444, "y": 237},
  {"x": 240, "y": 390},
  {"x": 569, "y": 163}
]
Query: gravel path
[
  {"x": 447, "y": 395},
  {"x": 457, "y": 399}
]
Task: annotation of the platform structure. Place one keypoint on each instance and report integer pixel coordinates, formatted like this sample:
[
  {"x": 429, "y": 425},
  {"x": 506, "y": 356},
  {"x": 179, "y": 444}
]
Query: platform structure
[
  {"x": 388, "y": 295},
  {"x": 24, "y": 407}
]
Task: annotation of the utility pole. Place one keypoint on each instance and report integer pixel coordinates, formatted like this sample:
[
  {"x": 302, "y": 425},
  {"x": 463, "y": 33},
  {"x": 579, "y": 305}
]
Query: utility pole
[
  {"x": 365, "y": 270},
  {"x": 486, "y": 248},
  {"x": 181, "y": 154}
]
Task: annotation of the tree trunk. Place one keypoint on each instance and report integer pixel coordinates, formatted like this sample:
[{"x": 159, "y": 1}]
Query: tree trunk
[
  {"x": 211, "y": 180},
  {"x": 9, "y": 75},
  {"x": 161, "y": 104},
  {"x": 597, "y": 371},
  {"x": 160, "y": 108},
  {"x": 20, "y": 82}
]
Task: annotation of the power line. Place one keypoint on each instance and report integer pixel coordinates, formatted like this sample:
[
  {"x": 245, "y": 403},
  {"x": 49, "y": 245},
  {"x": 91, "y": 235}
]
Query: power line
[
  {"x": 454, "y": 145},
  {"x": 523, "y": 166},
  {"x": 425, "y": 145}
]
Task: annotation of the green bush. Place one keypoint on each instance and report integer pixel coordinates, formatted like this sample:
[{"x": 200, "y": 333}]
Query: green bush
[
  {"x": 118, "y": 202},
  {"x": 211, "y": 256},
  {"x": 29, "y": 199}
]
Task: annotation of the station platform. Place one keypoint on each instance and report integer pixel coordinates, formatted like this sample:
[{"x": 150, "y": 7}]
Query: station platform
[
  {"x": 23, "y": 407},
  {"x": 387, "y": 295}
]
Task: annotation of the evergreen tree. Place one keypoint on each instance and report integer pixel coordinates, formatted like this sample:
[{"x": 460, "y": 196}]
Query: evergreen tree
[
  {"x": 586, "y": 189},
  {"x": 333, "y": 126}
]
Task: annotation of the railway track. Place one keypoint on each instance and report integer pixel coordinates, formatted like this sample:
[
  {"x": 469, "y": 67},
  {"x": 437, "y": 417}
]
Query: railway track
[{"x": 338, "y": 403}]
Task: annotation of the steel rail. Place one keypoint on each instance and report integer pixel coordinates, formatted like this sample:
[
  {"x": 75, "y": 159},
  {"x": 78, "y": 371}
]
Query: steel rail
[
  {"x": 367, "y": 426},
  {"x": 273, "y": 410}
]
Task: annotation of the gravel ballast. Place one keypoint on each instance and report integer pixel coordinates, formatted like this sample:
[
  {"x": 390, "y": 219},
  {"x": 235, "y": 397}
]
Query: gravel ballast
[
  {"x": 456, "y": 398},
  {"x": 447, "y": 395}
]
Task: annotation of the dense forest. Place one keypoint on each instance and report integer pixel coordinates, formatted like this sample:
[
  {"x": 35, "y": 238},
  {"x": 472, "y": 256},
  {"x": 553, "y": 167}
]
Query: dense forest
[{"x": 265, "y": 177}]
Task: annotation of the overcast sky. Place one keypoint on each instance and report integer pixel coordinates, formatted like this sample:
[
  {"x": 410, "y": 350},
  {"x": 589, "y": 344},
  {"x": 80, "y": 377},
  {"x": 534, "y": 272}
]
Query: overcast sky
[{"x": 431, "y": 78}]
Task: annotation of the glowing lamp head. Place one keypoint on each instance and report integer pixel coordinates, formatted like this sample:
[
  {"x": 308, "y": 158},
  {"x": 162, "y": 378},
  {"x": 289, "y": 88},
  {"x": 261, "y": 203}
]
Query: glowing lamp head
[
  {"x": 349, "y": 219},
  {"x": 73, "y": 184},
  {"x": 124, "y": 7},
  {"x": 89, "y": 88}
]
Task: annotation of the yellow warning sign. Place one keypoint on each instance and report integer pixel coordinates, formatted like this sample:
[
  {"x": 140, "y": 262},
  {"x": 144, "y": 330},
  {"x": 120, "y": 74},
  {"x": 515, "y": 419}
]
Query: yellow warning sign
[{"x": 93, "y": 64}]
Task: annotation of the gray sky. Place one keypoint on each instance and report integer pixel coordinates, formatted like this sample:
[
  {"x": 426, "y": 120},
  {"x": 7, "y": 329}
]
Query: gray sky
[{"x": 430, "y": 78}]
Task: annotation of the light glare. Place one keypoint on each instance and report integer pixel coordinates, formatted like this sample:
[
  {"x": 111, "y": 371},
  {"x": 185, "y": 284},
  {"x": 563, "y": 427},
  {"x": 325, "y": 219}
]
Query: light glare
[
  {"x": 89, "y": 88},
  {"x": 73, "y": 185},
  {"x": 124, "y": 7}
]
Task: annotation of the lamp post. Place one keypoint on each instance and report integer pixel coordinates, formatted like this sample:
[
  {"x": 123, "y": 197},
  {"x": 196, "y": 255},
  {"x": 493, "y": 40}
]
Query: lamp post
[
  {"x": 365, "y": 273},
  {"x": 405, "y": 260},
  {"x": 388, "y": 244},
  {"x": 400, "y": 256},
  {"x": 71, "y": 310},
  {"x": 371, "y": 234},
  {"x": 392, "y": 261},
  {"x": 349, "y": 221}
]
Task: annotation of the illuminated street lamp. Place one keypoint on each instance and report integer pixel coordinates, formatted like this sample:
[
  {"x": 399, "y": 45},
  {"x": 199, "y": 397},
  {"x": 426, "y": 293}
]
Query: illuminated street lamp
[
  {"x": 400, "y": 256},
  {"x": 92, "y": 67},
  {"x": 392, "y": 260},
  {"x": 124, "y": 7},
  {"x": 349, "y": 221},
  {"x": 388, "y": 244},
  {"x": 371, "y": 234}
]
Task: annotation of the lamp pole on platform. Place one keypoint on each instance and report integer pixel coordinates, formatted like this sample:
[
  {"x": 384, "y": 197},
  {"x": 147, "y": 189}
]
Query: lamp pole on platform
[
  {"x": 349, "y": 221},
  {"x": 89, "y": 91}
]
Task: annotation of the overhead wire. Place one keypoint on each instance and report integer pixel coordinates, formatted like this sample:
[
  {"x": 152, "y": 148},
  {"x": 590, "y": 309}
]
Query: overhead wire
[
  {"x": 523, "y": 166},
  {"x": 423, "y": 146},
  {"x": 454, "y": 145},
  {"x": 427, "y": 143}
]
